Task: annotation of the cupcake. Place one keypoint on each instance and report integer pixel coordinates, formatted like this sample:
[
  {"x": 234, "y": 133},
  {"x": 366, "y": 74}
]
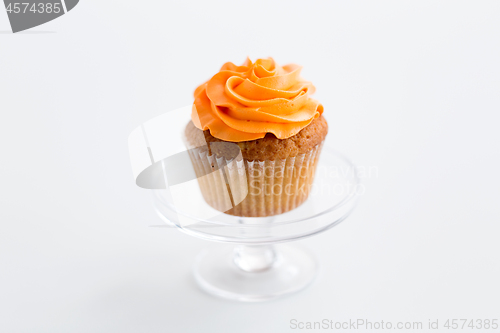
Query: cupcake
[{"x": 255, "y": 137}]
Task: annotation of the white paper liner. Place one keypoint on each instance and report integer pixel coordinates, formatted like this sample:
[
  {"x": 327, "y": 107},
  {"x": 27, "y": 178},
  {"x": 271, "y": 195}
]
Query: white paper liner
[{"x": 255, "y": 188}]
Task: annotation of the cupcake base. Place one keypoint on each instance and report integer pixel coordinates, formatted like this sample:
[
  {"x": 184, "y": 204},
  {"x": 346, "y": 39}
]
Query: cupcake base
[{"x": 253, "y": 188}]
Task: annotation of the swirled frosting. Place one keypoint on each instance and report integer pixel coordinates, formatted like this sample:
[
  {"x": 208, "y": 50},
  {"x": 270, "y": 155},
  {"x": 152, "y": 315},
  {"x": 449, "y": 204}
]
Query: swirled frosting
[{"x": 242, "y": 103}]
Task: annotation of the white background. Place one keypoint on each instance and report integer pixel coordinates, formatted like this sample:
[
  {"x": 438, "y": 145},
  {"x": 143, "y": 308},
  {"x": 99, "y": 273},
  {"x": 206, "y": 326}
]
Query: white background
[{"x": 410, "y": 87}]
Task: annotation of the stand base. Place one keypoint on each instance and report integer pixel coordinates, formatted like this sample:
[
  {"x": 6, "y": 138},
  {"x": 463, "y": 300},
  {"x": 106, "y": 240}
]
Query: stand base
[{"x": 218, "y": 273}]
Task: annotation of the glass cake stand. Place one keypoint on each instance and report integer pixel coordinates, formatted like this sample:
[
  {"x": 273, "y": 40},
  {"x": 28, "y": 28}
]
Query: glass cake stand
[{"x": 258, "y": 266}]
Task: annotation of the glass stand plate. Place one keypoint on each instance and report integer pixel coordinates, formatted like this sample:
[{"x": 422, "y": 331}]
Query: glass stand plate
[{"x": 257, "y": 269}]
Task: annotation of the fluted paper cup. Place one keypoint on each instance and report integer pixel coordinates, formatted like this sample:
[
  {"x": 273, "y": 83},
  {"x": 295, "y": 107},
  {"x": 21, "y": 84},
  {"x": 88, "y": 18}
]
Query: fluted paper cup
[{"x": 253, "y": 188}]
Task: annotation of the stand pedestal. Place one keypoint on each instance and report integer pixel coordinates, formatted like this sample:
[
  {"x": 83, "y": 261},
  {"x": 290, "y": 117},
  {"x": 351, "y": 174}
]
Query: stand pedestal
[{"x": 255, "y": 273}]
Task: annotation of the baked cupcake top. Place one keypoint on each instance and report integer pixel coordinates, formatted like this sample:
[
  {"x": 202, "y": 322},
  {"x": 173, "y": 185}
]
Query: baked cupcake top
[
  {"x": 267, "y": 148},
  {"x": 243, "y": 103}
]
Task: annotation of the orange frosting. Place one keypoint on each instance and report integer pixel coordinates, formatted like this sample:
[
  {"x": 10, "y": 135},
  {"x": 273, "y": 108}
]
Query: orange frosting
[{"x": 242, "y": 103}]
